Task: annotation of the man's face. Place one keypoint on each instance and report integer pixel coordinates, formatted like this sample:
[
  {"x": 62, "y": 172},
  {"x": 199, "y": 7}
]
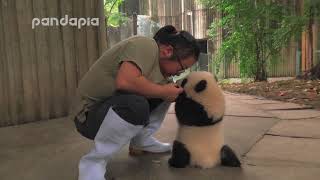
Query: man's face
[{"x": 170, "y": 67}]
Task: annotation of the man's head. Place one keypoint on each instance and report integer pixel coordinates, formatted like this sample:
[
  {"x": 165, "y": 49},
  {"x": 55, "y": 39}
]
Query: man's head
[{"x": 178, "y": 50}]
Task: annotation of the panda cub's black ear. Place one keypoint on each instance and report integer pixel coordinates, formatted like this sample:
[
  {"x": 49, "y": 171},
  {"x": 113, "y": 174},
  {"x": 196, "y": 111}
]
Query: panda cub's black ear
[{"x": 201, "y": 85}]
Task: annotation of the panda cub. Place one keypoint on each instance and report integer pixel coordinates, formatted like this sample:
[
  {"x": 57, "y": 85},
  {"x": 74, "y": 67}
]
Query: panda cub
[{"x": 199, "y": 111}]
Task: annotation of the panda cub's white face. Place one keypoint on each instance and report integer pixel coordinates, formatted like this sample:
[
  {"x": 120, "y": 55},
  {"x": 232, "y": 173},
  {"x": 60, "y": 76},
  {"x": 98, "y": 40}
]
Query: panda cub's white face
[
  {"x": 200, "y": 85},
  {"x": 202, "y": 102}
]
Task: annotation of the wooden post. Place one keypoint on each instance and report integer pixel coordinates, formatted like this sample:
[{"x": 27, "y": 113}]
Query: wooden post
[
  {"x": 56, "y": 56},
  {"x": 8, "y": 14},
  {"x": 298, "y": 63},
  {"x": 315, "y": 30},
  {"x": 28, "y": 61},
  {"x": 135, "y": 23},
  {"x": 102, "y": 35},
  {"x": 303, "y": 52},
  {"x": 4, "y": 79},
  {"x": 66, "y": 8},
  {"x": 43, "y": 59}
]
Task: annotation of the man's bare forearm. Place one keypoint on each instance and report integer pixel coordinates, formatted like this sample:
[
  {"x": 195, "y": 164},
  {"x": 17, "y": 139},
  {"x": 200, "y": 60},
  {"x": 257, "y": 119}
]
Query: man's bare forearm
[{"x": 142, "y": 86}]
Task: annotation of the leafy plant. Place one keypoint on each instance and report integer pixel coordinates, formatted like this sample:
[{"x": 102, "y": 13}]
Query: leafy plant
[
  {"x": 111, "y": 11},
  {"x": 253, "y": 32}
]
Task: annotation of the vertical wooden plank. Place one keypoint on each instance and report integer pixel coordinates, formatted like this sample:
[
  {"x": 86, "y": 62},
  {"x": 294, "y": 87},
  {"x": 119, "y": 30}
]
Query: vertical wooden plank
[
  {"x": 317, "y": 42},
  {"x": 43, "y": 60},
  {"x": 314, "y": 42},
  {"x": 102, "y": 34},
  {"x": 279, "y": 66},
  {"x": 29, "y": 61},
  {"x": 56, "y": 51},
  {"x": 69, "y": 52},
  {"x": 167, "y": 9},
  {"x": 154, "y": 10},
  {"x": 283, "y": 67},
  {"x": 294, "y": 57},
  {"x": 284, "y": 60},
  {"x": 4, "y": 80},
  {"x": 290, "y": 61},
  {"x": 80, "y": 40},
  {"x": 160, "y": 9},
  {"x": 90, "y": 11},
  {"x": 12, "y": 49},
  {"x": 287, "y": 62},
  {"x": 303, "y": 52}
]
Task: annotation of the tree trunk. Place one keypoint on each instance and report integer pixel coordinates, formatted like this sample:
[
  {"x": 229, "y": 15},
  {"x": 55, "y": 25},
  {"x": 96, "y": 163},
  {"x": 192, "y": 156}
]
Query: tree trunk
[{"x": 260, "y": 74}]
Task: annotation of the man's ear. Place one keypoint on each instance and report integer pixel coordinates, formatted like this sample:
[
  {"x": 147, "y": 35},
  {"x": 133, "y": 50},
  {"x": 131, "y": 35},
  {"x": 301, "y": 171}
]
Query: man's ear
[{"x": 167, "y": 51}]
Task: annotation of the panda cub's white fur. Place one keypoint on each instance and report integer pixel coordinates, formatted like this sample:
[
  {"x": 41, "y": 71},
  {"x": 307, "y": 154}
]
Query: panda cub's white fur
[
  {"x": 203, "y": 143},
  {"x": 200, "y": 137}
]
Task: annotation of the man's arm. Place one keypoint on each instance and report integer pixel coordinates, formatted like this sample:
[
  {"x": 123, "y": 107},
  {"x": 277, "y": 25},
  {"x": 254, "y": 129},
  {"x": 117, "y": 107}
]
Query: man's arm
[{"x": 130, "y": 78}]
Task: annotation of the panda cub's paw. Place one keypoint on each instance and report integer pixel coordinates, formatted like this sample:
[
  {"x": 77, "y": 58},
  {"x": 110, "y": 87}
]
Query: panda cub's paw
[
  {"x": 229, "y": 158},
  {"x": 180, "y": 157}
]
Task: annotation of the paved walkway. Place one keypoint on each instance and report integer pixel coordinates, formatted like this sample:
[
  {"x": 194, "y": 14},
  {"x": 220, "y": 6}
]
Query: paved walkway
[{"x": 275, "y": 140}]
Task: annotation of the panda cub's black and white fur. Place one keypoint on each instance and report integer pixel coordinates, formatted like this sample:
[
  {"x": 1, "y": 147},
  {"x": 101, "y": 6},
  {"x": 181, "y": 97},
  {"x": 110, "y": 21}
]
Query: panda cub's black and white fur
[{"x": 200, "y": 138}]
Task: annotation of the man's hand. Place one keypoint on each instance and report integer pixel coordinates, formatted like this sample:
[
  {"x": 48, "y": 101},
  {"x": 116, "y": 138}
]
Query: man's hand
[{"x": 172, "y": 91}]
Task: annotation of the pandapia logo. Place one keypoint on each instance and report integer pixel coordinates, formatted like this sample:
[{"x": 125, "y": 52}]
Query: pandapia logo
[{"x": 65, "y": 21}]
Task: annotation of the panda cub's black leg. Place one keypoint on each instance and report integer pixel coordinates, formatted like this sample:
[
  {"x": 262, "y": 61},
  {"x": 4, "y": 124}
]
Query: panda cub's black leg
[
  {"x": 228, "y": 157},
  {"x": 180, "y": 157}
]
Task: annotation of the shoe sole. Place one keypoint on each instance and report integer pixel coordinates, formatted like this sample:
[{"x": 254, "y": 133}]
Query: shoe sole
[{"x": 139, "y": 152}]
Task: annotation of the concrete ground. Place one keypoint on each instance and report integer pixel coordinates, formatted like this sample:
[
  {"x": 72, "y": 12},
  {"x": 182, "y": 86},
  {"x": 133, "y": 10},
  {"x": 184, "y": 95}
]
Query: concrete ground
[{"x": 275, "y": 140}]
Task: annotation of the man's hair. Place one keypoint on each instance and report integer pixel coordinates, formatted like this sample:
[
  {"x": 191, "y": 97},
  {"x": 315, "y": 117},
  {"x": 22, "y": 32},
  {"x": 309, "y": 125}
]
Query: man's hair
[{"x": 183, "y": 42}]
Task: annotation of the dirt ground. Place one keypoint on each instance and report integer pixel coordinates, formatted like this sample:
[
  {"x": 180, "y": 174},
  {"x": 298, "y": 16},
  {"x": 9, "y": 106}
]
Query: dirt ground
[{"x": 305, "y": 92}]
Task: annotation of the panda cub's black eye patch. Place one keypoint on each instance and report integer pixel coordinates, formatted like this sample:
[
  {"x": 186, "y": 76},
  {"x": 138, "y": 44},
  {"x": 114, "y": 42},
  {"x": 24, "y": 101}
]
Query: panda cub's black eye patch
[
  {"x": 184, "y": 82},
  {"x": 201, "y": 85}
]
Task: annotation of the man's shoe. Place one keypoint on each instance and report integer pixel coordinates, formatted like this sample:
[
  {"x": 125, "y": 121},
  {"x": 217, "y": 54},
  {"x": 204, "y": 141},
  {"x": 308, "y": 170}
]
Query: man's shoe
[
  {"x": 144, "y": 142},
  {"x": 152, "y": 145}
]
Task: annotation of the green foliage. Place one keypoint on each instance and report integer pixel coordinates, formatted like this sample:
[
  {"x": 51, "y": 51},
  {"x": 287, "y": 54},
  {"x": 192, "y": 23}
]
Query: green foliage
[
  {"x": 111, "y": 11},
  {"x": 254, "y": 32},
  {"x": 312, "y": 8}
]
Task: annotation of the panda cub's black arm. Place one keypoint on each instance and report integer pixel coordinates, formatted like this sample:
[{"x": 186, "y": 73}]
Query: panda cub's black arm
[
  {"x": 180, "y": 157},
  {"x": 190, "y": 112}
]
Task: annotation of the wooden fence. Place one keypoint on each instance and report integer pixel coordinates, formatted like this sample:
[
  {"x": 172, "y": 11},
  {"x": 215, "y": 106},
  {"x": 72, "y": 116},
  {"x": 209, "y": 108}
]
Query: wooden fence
[
  {"x": 40, "y": 67},
  {"x": 286, "y": 66},
  {"x": 187, "y": 15}
]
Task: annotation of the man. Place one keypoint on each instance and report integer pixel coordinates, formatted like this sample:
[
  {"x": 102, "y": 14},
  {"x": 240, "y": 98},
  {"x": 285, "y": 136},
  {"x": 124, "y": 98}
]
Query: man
[{"x": 124, "y": 96}]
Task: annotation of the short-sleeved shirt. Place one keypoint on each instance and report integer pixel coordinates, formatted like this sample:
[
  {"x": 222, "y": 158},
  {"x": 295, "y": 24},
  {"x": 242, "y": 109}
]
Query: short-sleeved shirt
[{"x": 99, "y": 82}]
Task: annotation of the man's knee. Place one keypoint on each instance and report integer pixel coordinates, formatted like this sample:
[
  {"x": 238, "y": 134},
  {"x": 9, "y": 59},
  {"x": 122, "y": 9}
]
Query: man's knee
[{"x": 132, "y": 108}]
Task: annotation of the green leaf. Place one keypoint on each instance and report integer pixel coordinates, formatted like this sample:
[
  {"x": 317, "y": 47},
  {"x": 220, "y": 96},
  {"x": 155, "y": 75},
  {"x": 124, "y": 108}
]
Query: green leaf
[{"x": 111, "y": 11}]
